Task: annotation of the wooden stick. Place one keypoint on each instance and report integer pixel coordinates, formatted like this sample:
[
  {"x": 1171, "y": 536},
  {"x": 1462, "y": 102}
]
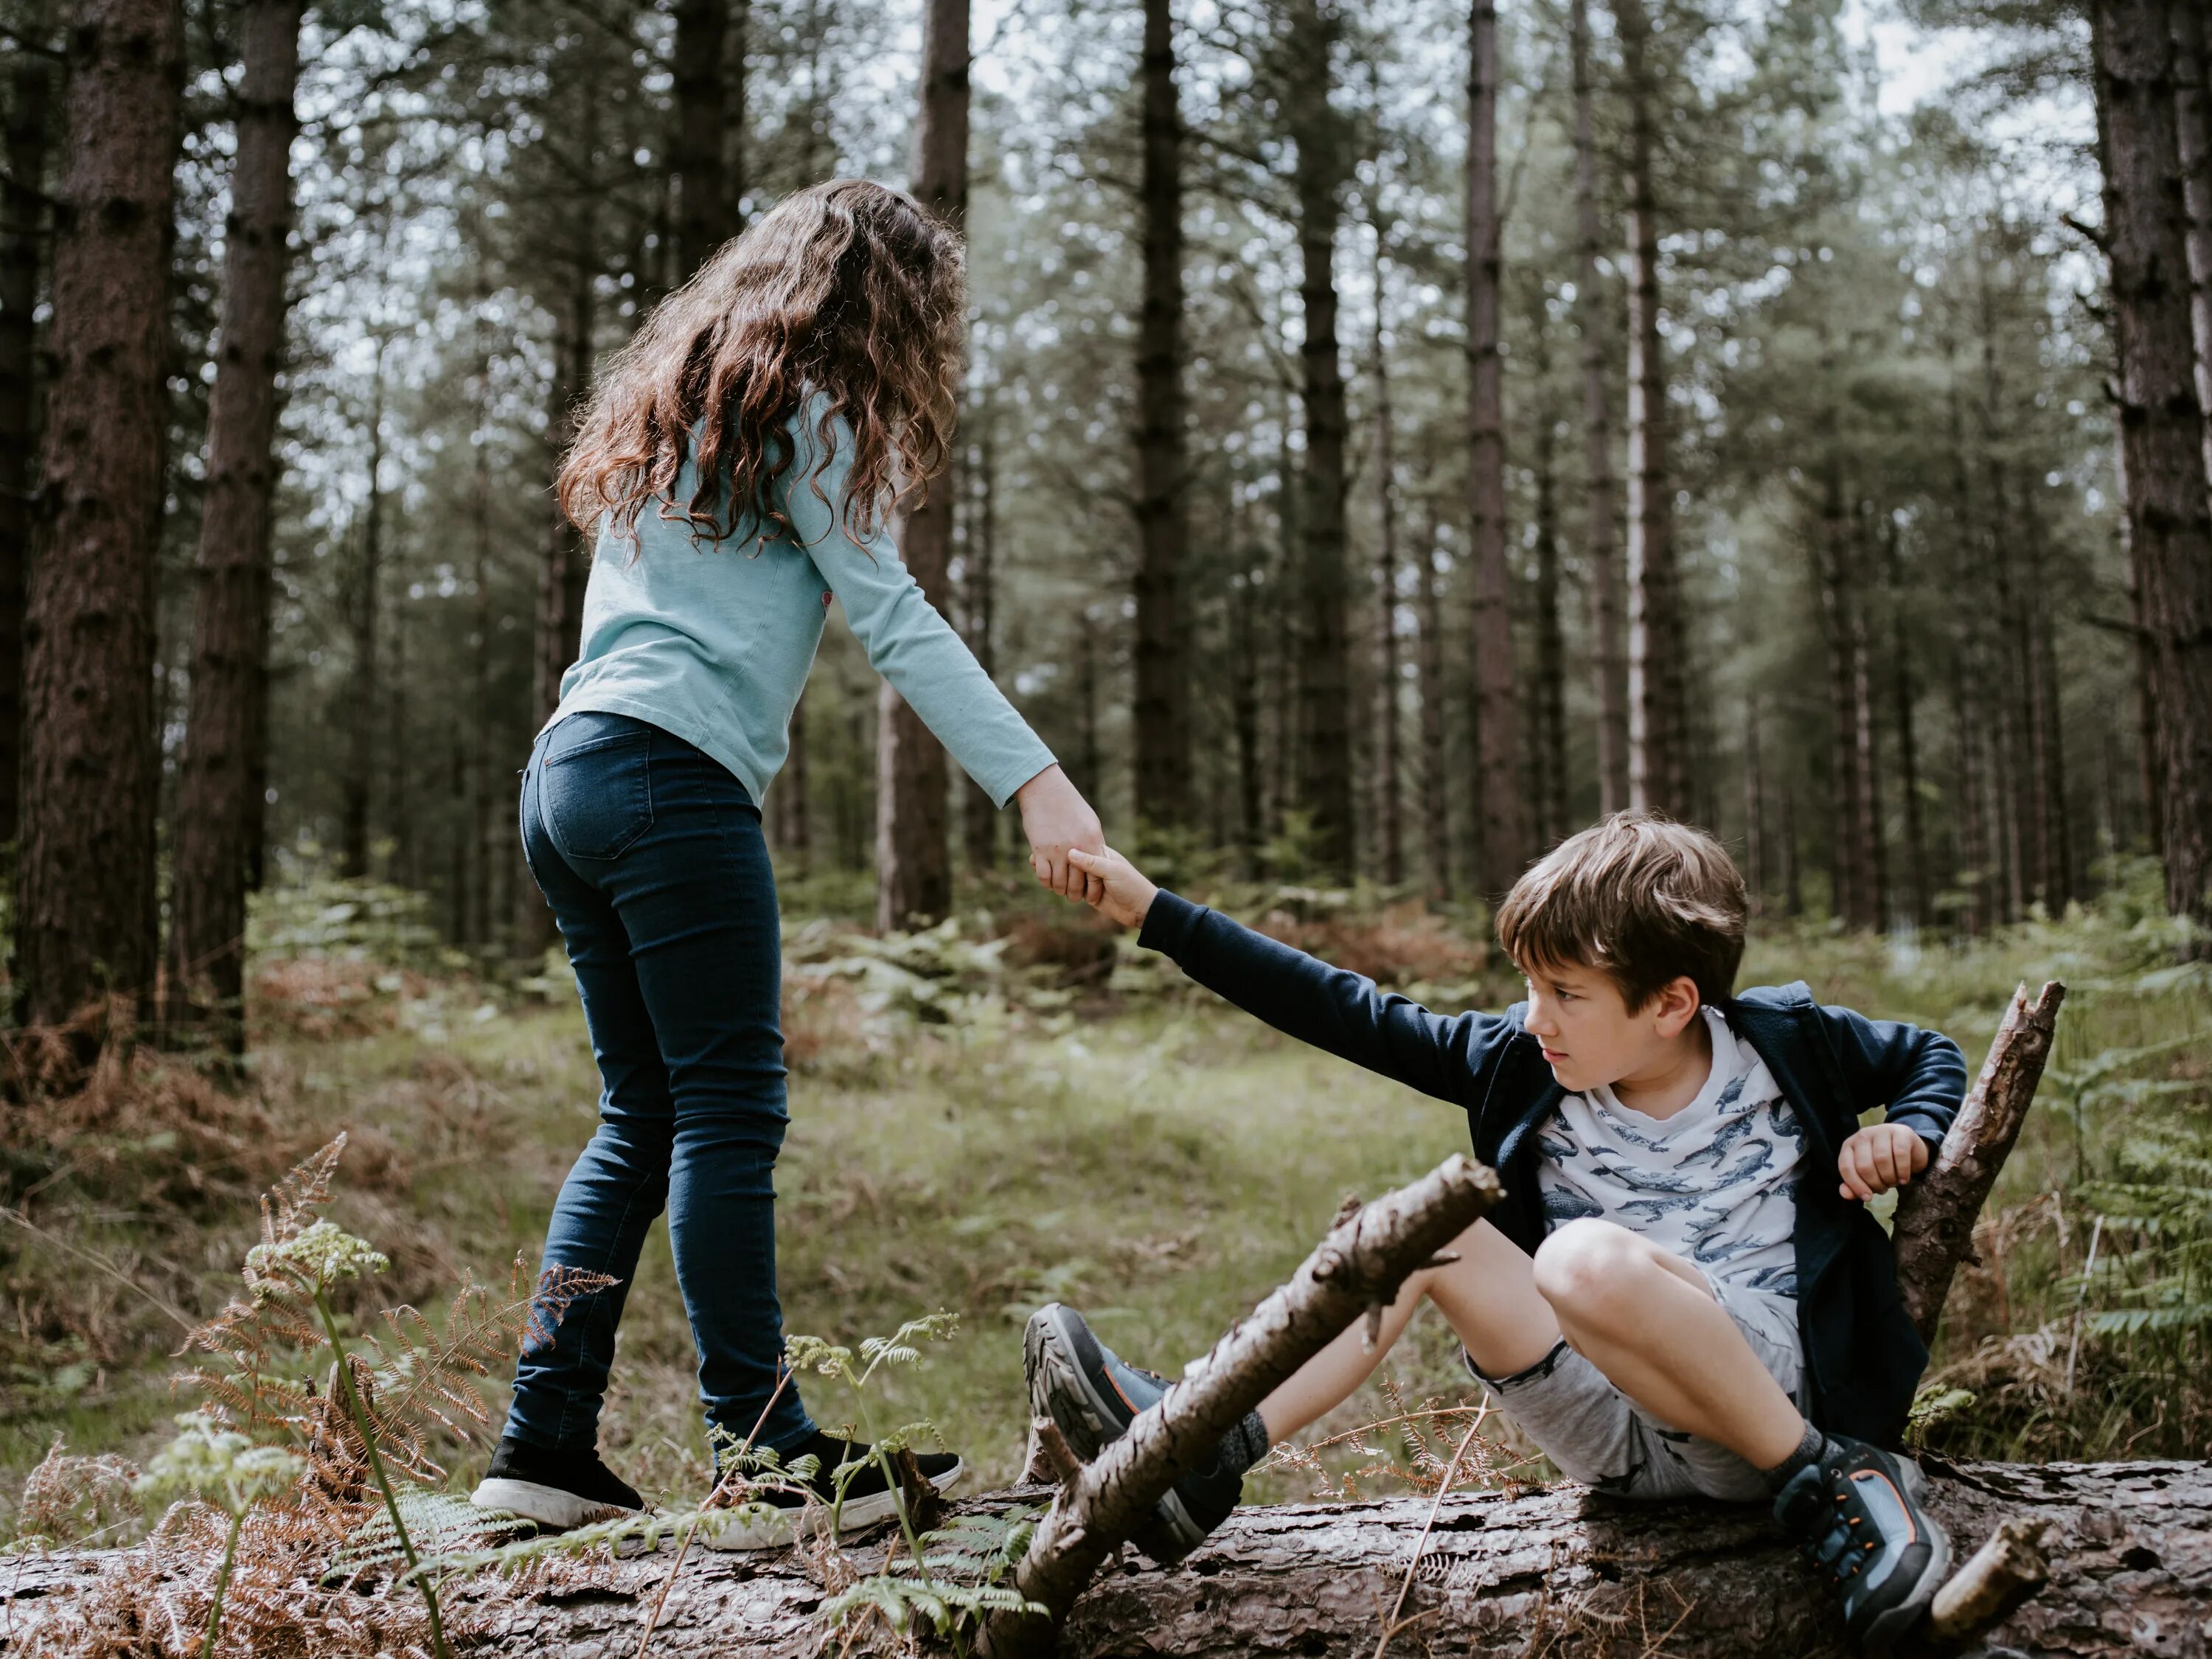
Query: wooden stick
[
  {"x": 1362, "y": 1263},
  {"x": 1996, "y": 1579},
  {"x": 1936, "y": 1214}
]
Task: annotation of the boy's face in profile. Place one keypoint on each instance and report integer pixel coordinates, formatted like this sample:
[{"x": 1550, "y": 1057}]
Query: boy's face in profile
[{"x": 1589, "y": 1036}]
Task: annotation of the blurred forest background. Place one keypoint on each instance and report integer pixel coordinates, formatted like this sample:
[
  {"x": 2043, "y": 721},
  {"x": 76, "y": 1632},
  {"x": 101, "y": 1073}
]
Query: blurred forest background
[{"x": 1392, "y": 434}]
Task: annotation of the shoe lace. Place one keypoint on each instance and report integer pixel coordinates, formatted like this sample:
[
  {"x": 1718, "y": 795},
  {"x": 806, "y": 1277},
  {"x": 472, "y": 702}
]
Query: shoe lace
[{"x": 1848, "y": 1537}]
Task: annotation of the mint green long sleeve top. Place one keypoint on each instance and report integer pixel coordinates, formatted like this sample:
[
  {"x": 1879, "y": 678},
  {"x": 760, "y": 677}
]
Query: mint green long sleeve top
[{"x": 711, "y": 639}]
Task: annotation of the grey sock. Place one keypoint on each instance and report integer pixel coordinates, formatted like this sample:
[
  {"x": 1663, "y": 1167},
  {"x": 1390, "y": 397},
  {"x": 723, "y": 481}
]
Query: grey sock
[
  {"x": 1807, "y": 1454},
  {"x": 1244, "y": 1445}
]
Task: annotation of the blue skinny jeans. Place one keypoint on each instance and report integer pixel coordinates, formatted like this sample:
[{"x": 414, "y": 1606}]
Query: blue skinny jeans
[{"x": 651, "y": 858}]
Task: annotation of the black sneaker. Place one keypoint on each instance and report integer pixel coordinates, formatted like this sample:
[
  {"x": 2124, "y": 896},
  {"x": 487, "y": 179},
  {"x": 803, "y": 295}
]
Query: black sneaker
[
  {"x": 555, "y": 1488},
  {"x": 773, "y": 1518},
  {"x": 1093, "y": 1395},
  {"x": 1859, "y": 1514}
]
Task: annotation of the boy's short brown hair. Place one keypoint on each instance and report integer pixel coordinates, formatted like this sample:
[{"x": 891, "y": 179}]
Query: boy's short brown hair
[{"x": 1638, "y": 896}]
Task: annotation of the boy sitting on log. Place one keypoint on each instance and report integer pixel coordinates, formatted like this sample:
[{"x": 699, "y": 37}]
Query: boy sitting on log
[{"x": 1675, "y": 1297}]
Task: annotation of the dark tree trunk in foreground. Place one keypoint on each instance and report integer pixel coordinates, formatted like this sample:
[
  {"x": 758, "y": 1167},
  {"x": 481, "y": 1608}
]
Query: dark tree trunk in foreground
[
  {"x": 2193, "y": 112},
  {"x": 914, "y": 855},
  {"x": 1500, "y": 1577},
  {"x": 1608, "y": 659},
  {"x": 1502, "y": 829},
  {"x": 22, "y": 237},
  {"x": 219, "y": 816},
  {"x": 705, "y": 214},
  {"x": 2162, "y": 426},
  {"x": 85, "y": 921},
  {"x": 1658, "y": 715},
  {"x": 1161, "y": 734},
  {"x": 1547, "y": 712},
  {"x": 1325, "y": 652}
]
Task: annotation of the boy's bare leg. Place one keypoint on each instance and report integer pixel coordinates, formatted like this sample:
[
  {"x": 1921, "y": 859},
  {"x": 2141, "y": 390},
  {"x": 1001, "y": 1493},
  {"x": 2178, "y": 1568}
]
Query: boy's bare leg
[
  {"x": 1647, "y": 1319},
  {"x": 1490, "y": 1296}
]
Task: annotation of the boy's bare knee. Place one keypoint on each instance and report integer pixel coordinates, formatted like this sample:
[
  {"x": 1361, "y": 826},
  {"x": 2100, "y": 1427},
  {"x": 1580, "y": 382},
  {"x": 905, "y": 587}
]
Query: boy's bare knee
[{"x": 1587, "y": 1269}]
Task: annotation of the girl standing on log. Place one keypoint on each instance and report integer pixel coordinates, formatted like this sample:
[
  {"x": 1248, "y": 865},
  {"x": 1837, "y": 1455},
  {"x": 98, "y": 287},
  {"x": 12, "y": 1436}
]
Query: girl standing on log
[{"x": 739, "y": 463}]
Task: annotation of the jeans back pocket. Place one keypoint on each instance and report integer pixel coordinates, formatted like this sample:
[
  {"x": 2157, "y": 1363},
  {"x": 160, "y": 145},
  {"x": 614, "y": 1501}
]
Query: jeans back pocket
[{"x": 597, "y": 791}]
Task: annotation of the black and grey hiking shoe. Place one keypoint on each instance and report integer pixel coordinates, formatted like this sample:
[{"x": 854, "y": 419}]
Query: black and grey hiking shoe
[
  {"x": 1093, "y": 1396},
  {"x": 555, "y": 1488},
  {"x": 1859, "y": 1514},
  {"x": 773, "y": 1518}
]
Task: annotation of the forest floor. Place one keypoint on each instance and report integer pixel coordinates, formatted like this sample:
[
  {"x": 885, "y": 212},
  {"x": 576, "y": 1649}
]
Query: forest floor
[{"x": 988, "y": 1118}]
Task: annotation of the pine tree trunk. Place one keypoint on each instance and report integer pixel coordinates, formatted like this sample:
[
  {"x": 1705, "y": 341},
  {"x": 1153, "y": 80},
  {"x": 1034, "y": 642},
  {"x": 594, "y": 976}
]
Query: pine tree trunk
[
  {"x": 1755, "y": 862},
  {"x": 1848, "y": 898},
  {"x": 1243, "y": 669},
  {"x": 1389, "y": 761},
  {"x": 2162, "y": 425},
  {"x": 2192, "y": 110},
  {"x": 1161, "y": 717},
  {"x": 28, "y": 137},
  {"x": 1657, "y": 717},
  {"x": 1547, "y": 722},
  {"x": 1904, "y": 703},
  {"x": 1325, "y": 652},
  {"x": 913, "y": 854},
  {"x": 218, "y": 822},
  {"x": 981, "y": 814},
  {"x": 486, "y": 852},
  {"x": 364, "y": 686},
  {"x": 85, "y": 920},
  {"x": 1874, "y": 863},
  {"x": 1436, "y": 814},
  {"x": 1501, "y": 802},
  {"x": 1608, "y": 661},
  {"x": 704, "y": 220}
]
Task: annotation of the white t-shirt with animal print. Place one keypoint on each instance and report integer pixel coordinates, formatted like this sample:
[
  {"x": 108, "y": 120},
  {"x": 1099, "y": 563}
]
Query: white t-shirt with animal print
[{"x": 1716, "y": 1183}]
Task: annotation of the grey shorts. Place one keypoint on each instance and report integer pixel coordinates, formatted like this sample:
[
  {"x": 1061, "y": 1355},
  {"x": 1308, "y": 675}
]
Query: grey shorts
[{"x": 1596, "y": 1435}]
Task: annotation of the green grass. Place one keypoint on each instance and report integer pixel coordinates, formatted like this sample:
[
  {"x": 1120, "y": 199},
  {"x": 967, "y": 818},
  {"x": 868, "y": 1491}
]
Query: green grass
[{"x": 963, "y": 1137}]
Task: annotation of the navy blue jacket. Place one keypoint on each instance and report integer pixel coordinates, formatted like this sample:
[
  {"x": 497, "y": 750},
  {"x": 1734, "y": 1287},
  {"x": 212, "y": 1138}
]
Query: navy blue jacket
[{"x": 1863, "y": 1360}]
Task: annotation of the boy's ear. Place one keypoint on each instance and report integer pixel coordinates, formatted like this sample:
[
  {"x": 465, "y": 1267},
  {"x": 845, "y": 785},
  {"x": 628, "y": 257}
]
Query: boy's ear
[{"x": 1676, "y": 1004}]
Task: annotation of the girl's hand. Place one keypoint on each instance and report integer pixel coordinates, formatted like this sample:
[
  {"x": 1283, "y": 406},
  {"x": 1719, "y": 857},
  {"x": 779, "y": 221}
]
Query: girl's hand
[
  {"x": 1058, "y": 820},
  {"x": 1119, "y": 891},
  {"x": 1878, "y": 1158}
]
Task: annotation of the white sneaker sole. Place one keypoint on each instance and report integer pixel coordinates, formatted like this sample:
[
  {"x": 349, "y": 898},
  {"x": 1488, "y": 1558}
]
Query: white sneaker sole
[
  {"x": 549, "y": 1506},
  {"x": 765, "y": 1527}
]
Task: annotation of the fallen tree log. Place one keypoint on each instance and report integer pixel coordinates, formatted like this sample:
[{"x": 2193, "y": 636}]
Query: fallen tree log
[{"x": 1554, "y": 1572}]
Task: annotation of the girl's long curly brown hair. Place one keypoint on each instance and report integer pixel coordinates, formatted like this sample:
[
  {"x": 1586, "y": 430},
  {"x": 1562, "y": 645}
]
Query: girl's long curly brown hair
[{"x": 847, "y": 288}]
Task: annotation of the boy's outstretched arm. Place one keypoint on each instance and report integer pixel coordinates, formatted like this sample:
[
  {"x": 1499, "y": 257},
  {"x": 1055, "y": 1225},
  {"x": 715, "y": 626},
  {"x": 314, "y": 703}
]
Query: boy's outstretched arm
[{"x": 1339, "y": 1012}]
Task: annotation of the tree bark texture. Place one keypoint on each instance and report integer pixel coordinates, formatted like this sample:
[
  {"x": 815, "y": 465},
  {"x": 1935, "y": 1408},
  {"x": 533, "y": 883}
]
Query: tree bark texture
[
  {"x": 1503, "y": 839},
  {"x": 27, "y": 141},
  {"x": 2192, "y": 113},
  {"x": 1606, "y": 659},
  {"x": 1658, "y": 715},
  {"x": 85, "y": 920},
  {"x": 218, "y": 822},
  {"x": 705, "y": 215},
  {"x": 2162, "y": 425},
  {"x": 913, "y": 849},
  {"x": 1935, "y": 1214},
  {"x": 1325, "y": 652},
  {"x": 1904, "y": 707},
  {"x": 1500, "y": 1575},
  {"x": 1161, "y": 734}
]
